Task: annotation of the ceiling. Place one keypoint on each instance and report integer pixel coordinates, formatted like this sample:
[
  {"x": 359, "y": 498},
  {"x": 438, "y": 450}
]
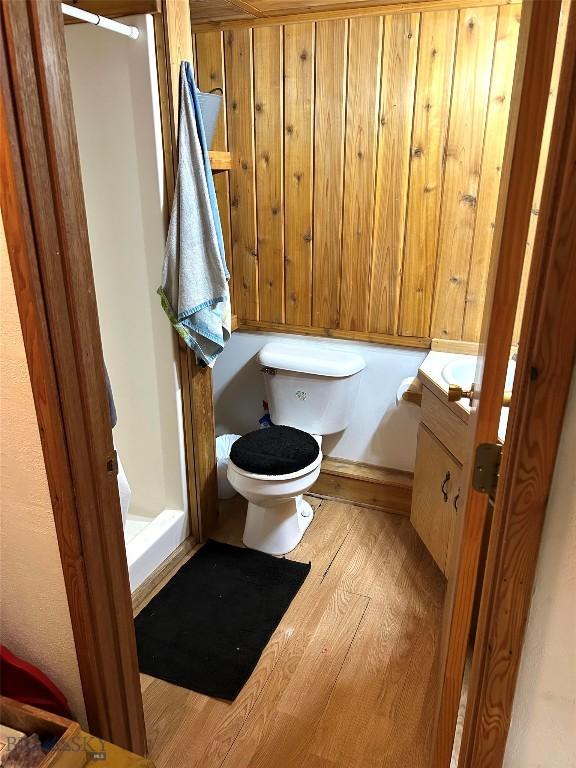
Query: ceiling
[{"x": 215, "y": 11}]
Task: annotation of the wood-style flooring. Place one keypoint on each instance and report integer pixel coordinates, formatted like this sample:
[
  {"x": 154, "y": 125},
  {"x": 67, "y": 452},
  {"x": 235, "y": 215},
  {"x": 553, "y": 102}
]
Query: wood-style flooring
[{"x": 349, "y": 677}]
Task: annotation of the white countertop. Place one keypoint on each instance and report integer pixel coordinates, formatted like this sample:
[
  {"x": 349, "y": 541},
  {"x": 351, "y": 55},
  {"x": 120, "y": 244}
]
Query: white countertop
[{"x": 432, "y": 368}]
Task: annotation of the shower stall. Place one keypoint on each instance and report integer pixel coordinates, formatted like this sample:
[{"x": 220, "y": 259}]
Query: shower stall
[{"x": 117, "y": 111}]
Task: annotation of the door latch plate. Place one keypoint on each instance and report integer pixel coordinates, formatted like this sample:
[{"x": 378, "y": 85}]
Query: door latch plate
[
  {"x": 487, "y": 467},
  {"x": 112, "y": 463}
]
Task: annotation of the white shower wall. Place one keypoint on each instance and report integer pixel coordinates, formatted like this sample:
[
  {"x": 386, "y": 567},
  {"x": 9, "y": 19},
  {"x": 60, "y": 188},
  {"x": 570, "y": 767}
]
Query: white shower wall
[{"x": 116, "y": 105}]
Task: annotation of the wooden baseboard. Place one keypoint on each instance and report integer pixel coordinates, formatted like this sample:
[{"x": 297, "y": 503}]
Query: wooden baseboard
[
  {"x": 158, "y": 578},
  {"x": 365, "y": 484}
]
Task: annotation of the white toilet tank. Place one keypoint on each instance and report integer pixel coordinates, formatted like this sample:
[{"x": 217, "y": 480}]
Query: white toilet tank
[{"x": 310, "y": 386}]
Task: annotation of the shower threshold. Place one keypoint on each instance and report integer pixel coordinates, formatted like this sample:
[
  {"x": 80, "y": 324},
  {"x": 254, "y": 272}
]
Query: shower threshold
[{"x": 148, "y": 549}]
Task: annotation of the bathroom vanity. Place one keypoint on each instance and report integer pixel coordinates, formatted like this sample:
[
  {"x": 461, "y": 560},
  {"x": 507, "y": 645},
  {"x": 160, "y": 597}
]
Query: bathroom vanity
[{"x": 441, "y": 448}]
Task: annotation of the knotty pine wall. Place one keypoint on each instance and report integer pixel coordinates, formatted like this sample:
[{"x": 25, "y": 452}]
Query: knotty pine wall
[{"x": 366, "y": 167}]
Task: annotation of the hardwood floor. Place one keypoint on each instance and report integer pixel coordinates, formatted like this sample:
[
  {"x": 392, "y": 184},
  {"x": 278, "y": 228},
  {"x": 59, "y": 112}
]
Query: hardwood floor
[{"x": 348, "y": 678}]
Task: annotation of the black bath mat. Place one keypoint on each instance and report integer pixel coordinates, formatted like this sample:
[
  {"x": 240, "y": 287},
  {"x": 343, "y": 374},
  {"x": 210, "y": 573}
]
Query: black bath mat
[{"x": 206, "y": 629}]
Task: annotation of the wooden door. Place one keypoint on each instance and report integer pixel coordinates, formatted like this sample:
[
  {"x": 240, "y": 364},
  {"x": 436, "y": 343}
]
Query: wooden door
[{"x": 528, "y": 110}]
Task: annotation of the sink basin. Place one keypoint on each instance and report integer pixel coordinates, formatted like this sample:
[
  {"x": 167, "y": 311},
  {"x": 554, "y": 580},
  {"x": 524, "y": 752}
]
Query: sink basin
[{"x": 462, "y": 372}]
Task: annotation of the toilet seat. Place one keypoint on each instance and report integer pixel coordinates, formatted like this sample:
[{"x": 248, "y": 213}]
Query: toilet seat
[{"x": 289, "y": 476}]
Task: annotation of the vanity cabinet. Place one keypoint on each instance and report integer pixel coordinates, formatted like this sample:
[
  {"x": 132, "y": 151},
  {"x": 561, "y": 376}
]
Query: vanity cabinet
[{"x": 437, "y": 475}]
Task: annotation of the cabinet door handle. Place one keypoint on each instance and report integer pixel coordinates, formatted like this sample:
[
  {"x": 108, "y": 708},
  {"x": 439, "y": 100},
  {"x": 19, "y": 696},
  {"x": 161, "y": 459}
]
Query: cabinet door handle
[
  {"x": 456, "y": 500},
  {"x": 443, "y": 486}
]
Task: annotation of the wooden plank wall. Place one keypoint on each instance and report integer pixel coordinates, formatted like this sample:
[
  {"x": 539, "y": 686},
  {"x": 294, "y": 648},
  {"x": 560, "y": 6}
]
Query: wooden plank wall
[{"x": 366, "y": 157}]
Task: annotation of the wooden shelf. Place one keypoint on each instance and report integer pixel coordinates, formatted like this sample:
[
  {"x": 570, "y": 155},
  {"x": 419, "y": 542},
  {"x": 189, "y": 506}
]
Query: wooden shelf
[
  {"x": 412, "y": 342},
  {"x": 220, "y": 161}
]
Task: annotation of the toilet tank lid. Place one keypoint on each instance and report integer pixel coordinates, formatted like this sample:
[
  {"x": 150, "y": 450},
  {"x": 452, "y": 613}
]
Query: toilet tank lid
[{"x": 310, "y": 357}]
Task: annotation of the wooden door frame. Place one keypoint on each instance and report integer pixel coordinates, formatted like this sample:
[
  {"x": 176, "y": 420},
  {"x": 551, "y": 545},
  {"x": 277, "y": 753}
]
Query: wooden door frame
[
  {"x": 50, "y": 259},
  {"x": 46, "y": 232},
  {"x": 47, "y": 241}
]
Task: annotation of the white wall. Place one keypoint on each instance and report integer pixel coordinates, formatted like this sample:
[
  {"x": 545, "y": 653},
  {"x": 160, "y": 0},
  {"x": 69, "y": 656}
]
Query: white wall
[
  {"x": 116, "y": 105},
  {"x": 34, "y": 615},
  {"x": 543, "y": 727},
  {"x": 379, "y": 432}
]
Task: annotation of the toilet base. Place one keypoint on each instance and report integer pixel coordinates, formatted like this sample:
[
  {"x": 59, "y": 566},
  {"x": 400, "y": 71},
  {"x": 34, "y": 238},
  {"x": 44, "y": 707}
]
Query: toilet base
[{"x": 277, "y": 529}]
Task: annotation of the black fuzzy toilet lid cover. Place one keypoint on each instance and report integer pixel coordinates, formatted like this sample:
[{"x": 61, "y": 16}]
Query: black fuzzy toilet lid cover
[{"x": 276, "y": 450}]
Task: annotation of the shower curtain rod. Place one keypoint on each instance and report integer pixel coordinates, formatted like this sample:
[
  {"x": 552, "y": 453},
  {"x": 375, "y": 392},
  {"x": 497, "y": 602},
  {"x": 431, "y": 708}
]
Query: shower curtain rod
[{"x": 100, "y": 21}]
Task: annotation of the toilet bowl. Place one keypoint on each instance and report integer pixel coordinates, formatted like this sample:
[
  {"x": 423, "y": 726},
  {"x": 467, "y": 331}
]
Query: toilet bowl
[
  {"x": 277, "y": 515},
  {"x": 310, "y": 388}
]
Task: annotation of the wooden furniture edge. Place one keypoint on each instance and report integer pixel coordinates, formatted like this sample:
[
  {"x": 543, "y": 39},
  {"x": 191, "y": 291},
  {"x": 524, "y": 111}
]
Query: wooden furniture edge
[
  {"x": 20, "y": 707},
  {"x": 365, "y": 485},
  {"x": 454, "y": 346},
  {"x": 29, "y": 719},
  {"x": 378, "y": 9},
  {"x": 457, "y": 407},
  {"x": 459, "y": 347},
  {"x": 150, "y": 586}
]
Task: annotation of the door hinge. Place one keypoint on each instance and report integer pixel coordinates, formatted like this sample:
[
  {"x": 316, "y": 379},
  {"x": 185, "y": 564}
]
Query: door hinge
[{"x": 487, "y": 467}]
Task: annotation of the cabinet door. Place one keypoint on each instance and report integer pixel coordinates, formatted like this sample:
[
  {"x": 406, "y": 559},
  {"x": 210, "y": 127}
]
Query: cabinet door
[{"x": 435, "y": 496}]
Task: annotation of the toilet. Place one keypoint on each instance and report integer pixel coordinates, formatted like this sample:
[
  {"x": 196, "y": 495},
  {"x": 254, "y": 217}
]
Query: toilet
[{"x": 311, "y": 390}]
